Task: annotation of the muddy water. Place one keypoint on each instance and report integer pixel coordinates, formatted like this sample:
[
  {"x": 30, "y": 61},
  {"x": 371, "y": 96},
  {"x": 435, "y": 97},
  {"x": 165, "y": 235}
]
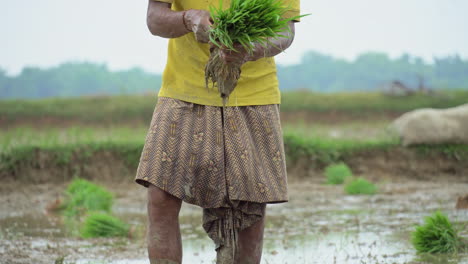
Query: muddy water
[{"x": 320, "y": 224}]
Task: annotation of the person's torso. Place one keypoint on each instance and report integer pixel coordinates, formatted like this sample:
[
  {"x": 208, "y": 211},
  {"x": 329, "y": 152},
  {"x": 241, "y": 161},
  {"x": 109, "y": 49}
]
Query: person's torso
[{"x": 184, "y": 75}]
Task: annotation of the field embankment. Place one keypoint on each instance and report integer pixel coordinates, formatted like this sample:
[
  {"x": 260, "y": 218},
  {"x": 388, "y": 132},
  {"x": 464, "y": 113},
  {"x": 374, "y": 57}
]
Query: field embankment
[
  {"x": 102, "y": 137},
  {"x": 306, "y": 158},
  {"x": 301, "y": 105}
]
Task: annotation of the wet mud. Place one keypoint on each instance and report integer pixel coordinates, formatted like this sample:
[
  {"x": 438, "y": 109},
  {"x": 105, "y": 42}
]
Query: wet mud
[{"x": 319, "y": 224}]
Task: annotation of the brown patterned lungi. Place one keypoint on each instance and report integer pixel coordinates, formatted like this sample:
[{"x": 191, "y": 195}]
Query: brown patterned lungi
[{"x": 229, "y": 161}]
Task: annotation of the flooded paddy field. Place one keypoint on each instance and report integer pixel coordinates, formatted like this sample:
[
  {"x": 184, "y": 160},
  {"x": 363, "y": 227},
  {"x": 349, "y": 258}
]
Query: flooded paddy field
[{"x": 319, "y": 224}]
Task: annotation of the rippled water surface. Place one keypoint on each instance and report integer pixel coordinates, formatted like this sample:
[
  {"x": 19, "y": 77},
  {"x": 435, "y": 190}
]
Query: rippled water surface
[{"x": 320, "y": 224}]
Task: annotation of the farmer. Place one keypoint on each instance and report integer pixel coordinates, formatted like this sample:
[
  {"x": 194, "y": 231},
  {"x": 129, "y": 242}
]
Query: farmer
[{"x": 230, "y": 161}]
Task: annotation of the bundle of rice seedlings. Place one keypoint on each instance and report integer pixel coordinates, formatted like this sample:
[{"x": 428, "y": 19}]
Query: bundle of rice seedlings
[
  {"x": 245, "y": 22},
  {"x": 337, "y": 173},
  {"x": 103, "y": 225},
  {"x": 360, "y": 186},
  {"x": 436, "y": 235},
  {"x": 83, "y": 196}
]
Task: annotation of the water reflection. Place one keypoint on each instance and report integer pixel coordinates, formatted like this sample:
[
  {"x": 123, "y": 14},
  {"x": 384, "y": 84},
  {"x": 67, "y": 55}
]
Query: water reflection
[{"x": 330, "y": 228}]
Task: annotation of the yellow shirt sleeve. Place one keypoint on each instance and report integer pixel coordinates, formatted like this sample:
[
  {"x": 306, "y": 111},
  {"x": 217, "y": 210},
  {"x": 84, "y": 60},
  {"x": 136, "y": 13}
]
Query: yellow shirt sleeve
[{"x": 294, "y": 7}]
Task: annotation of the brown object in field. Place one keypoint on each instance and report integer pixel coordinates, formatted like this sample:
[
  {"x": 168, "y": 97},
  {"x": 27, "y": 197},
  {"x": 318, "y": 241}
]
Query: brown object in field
[
  {"x": 54, "y": 206},
  {"x": 462, "y": 202},
  {"x": 222, "y": 75},
  {"x": 397, "y": 88},
  {"x": 131, "y": 232}
]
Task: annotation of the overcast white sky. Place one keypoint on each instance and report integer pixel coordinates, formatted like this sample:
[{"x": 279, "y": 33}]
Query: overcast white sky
[{"x": 48, "y": 32}]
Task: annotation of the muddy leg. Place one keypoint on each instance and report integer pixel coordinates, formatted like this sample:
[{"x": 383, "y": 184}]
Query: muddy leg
[
  {"x": 164, "y": 241},
  {"x": 251, "y": 243}
]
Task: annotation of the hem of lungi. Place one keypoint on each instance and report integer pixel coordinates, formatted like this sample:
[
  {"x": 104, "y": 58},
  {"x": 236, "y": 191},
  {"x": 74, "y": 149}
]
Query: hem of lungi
[{"x": 146, "y": 183}]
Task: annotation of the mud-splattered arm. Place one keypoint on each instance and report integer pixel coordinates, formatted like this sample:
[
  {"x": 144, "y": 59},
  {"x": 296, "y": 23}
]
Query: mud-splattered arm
[
  {"x": 166, "y": 23},
  {"x": 275, "y": 47}
]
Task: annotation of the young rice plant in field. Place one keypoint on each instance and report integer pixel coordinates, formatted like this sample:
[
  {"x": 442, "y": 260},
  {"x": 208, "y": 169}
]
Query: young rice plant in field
[
  {"x": 83, "y": 196},
  {"x": 436, "y": 235},
  {"x": 337, "y": 173},
  {"x": 245, "y": 22},
  {"x": 103, "y": 225},
  {"x": 360, "y": 186}
]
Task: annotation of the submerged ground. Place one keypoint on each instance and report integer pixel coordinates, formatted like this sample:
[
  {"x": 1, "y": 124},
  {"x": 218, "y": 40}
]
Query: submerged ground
[{"x": 320, "y": 224}]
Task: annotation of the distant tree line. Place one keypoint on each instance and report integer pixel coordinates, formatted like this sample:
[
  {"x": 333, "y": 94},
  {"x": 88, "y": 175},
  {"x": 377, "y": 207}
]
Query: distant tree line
[
  {"x": 316, "y": 71},
  {"x": 76, "y": 79},
  {"x": 371, "y": 71}
]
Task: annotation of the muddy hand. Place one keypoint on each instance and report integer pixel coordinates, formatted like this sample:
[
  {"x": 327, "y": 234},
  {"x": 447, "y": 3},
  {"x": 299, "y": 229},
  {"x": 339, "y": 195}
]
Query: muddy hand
[
  {"x": 199, "y": 22},
  {"x": 238, "y": 57}
]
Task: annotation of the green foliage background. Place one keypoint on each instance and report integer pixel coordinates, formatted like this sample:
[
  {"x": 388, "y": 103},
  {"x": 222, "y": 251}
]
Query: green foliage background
[
  {"x": 369, "y": 71},
  {"x": 76, "y": 79},
  {"x": 316, "y": 71}
]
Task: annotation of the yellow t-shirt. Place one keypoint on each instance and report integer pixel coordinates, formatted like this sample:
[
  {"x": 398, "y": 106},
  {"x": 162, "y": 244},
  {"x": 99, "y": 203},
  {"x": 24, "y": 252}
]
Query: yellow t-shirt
[{"x": 184, "y": 75}]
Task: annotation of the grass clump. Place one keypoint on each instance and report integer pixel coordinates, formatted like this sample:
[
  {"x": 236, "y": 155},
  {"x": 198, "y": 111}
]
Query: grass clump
[
  {"x": 436, "y": 235},
  {"x": 360, "y": 186},
  {"x": 337, "y": 173},
  {"x": 137, "y": 109},
  {"x": 103, "y": 225},
  {"x": 83, "y": 196},
  {"x": 247, "y": 22},
  {"x": 243, "y": 24}
]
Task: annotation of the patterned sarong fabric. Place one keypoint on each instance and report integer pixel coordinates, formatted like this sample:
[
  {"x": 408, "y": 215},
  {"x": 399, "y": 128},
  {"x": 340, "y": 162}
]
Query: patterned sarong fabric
[{"x": 228, "y": 161}]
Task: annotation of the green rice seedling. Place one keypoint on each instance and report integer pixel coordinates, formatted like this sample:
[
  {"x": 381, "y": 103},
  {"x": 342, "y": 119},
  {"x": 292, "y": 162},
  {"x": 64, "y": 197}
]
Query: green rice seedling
[
  {"x": 360, "y": 186},
  {"x": 103, "y": 225},
  {"x": 83, "y": 196},
  {"x": 244, "y": 23},
  {"x": 337, "y": 173},
  {"x": 436, "y": 235}
]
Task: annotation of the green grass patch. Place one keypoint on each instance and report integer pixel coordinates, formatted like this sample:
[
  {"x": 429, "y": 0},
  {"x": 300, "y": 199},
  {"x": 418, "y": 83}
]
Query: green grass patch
[
  {"x": 456, "y": 151},
  {"x": 103, "y": 225},
  {"x": 71, "y": 153},
  {"x": 83, "y": 196},
  {"x": 436, "y": 235},
  {"x": 102, "y": 109},
  {"x": 369, "y": 102},
  {"x": 62, "y": 147},
  {"x": 52, "y": 137},
  {"x": 356, "y": 130},
  {"x": 337, "y": 173},
  {"x": 72, "y": 149},
  {"x": 137, "y": 108},
  {"x": 325, "y": 151},
  {"x": 360, "y": 186},
  {"x": 66, "y": 154}
]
